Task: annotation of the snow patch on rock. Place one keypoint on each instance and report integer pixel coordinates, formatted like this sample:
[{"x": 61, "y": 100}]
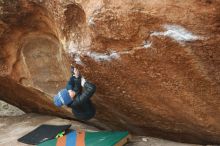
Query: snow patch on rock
[
  {"x": 77, "y": 53},
  {"x": 103, "y": 57},
  {"x": 178, "y": 33},
  {"x": 73, "y": 48},
  {"x": 78, "y": 60},
  {"x": 91, "y": 21},
  {"x": 147, "y": 44}
]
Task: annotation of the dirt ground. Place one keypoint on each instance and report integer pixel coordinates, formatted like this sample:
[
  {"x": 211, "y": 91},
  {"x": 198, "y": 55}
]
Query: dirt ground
[{"x": 14, "y": 127}]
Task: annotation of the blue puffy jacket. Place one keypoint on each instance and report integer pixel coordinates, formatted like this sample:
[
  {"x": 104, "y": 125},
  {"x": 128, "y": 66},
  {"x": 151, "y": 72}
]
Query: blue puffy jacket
[{"x": 82, "y": 106}]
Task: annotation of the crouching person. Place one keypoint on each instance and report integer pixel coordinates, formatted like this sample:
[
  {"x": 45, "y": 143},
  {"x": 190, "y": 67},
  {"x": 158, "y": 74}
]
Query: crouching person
[{"x": 77, "y": 96}]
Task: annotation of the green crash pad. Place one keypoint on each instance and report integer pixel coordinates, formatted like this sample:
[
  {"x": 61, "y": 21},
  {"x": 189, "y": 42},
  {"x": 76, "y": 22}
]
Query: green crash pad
[{"x": 103, "y": 138}]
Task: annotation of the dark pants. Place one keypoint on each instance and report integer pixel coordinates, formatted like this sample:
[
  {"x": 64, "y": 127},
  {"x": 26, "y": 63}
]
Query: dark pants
[{"x": 82, "y": 106}]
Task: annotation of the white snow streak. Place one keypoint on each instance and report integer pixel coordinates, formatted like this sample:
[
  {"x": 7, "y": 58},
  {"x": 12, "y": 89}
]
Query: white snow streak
[
  {"x": 103, "y": 57},
  {"x": 178, "y": 33},
  {"x": 91, "y": 21},
  {"x": 77, "y": 53},
  {"x": 147, "y": 44}
]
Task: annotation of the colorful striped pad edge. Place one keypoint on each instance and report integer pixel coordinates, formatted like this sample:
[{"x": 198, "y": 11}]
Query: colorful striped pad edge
[{"x": 82, "y": 138}]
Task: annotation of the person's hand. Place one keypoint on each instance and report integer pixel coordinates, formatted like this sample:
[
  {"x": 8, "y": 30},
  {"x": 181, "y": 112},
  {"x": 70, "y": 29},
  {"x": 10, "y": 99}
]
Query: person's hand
[
  {"x": 72, "y": 93},
  {"x": 76, "y": 72}
]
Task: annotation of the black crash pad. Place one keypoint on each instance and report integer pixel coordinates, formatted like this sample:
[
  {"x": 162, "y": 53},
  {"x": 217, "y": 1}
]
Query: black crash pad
[{"x": 43, "y": 133}]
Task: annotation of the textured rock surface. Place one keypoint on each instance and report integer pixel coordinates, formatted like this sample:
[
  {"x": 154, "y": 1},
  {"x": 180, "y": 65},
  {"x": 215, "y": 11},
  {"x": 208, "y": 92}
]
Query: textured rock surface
[
  {"x": 9, "y": 110},
  {"x": 155, "y": 63}
]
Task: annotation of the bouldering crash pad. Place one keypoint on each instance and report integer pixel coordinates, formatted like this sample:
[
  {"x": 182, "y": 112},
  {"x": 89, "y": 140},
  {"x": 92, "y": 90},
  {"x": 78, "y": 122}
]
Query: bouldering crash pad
[
  {"x": 43, "y": 133},
  {"x": 82, "y": 138}
]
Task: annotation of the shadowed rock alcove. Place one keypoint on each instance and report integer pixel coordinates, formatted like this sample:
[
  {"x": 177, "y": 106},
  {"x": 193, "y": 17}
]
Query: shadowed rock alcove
[{"x": 42, "y": 56}]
